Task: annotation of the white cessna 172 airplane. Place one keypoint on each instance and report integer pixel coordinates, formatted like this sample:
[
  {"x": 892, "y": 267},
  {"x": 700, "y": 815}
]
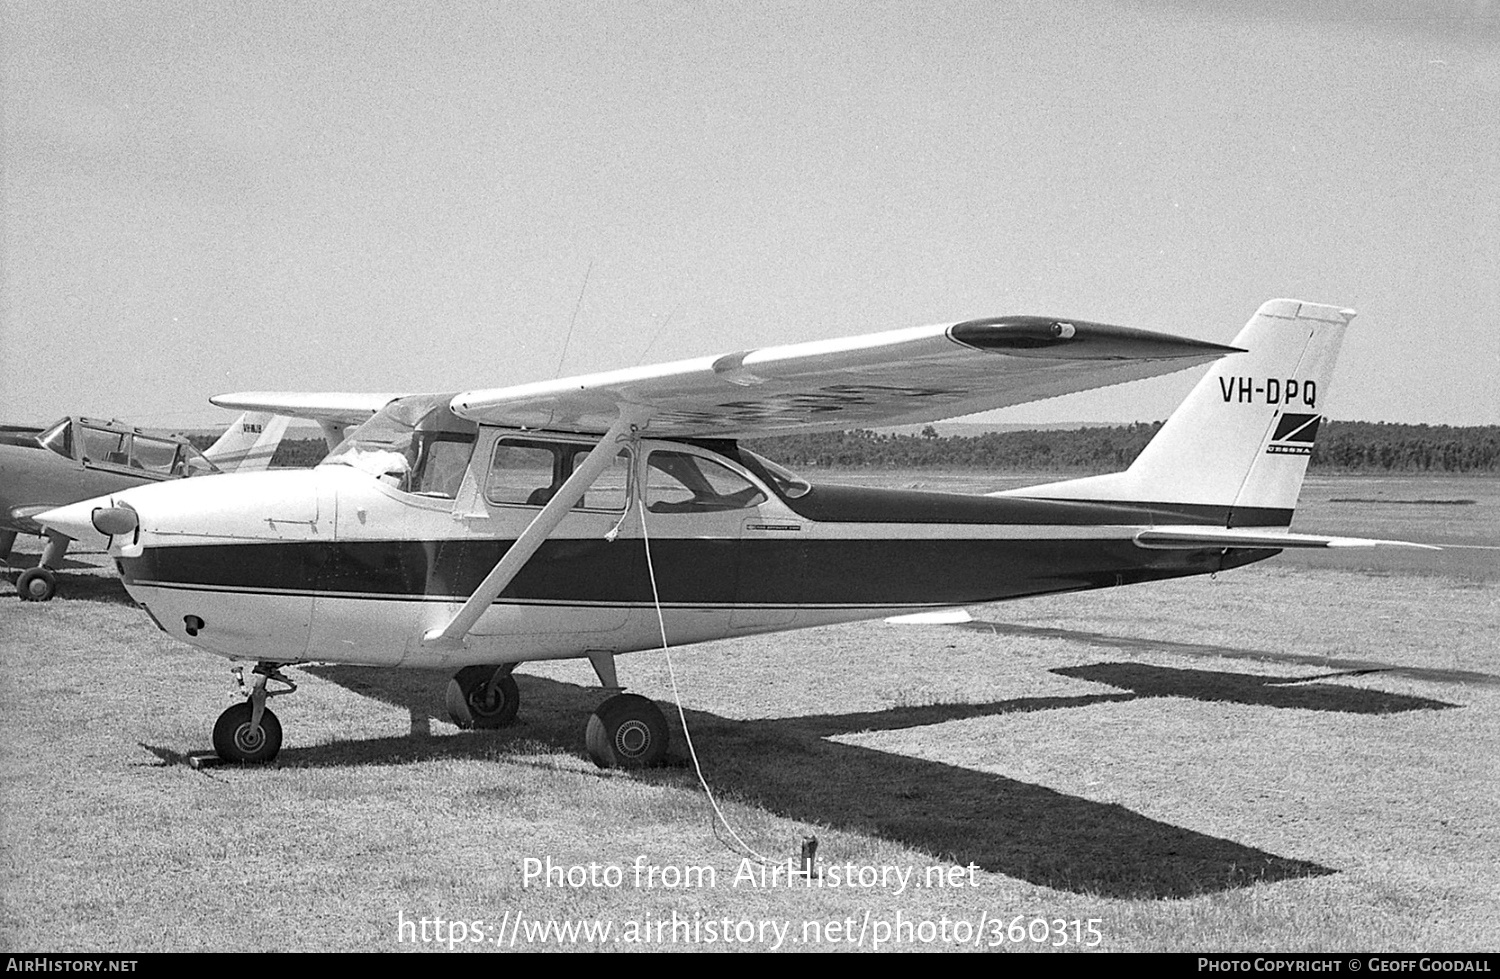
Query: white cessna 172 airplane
[{"x": 479, "y": 530}]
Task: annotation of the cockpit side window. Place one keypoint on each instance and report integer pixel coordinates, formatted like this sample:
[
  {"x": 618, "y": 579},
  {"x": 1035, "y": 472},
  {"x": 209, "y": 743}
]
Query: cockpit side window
[
  {"x": 523, "y": 471},
  {"x": 611, "y": 488},
  {"x": 531, "y": 471},
  {"x": 100, "y": 446},
  {"x": 442, "y": 460}
]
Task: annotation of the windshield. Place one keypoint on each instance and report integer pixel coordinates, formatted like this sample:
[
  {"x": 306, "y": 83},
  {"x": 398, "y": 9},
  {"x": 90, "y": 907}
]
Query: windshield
[
  {"x": 59, "y": 438},
  {"x": 415, "y": 444},
  {"x": 191, "y": 462}
]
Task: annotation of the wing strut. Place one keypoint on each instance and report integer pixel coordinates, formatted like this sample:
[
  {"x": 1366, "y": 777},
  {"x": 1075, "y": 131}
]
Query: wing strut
[{"x": 537, "y": 531}]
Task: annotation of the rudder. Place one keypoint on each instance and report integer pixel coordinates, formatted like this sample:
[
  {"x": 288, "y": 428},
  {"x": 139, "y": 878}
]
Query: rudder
[
  {"x": 249, "y": 442},
  {"x": 1243, "y": 438}
]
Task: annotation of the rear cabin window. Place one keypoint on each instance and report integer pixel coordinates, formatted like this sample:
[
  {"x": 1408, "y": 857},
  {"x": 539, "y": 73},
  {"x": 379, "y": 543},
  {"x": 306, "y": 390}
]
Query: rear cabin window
[
  {"x": 677, "y": 482},
  {"x": 154, "y": 455},
  {"x": 529, "y": 472},
  {"x": 111, "y": 448}
]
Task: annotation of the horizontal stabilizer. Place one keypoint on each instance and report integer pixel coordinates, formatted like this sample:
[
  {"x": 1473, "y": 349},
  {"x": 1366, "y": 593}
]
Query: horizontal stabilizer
[
  {"x": 1194, "y": 538},
  {"x": 946, "y": 616}
]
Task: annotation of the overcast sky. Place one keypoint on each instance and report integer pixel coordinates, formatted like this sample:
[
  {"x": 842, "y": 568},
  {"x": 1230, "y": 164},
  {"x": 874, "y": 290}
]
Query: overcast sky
[{"x": 208, "y": 197}]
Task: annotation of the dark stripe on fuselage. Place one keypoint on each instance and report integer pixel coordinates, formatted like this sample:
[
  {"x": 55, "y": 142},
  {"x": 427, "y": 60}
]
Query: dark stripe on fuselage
[
  {"x": 1210, "y": 514},
  {"x": 857, "y": 504},
  {"x": 833, "y": 503},
  {"x": 720, "y": 572}
]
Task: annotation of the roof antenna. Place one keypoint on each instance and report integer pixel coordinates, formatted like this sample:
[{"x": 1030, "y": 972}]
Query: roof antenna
[
  {"x": 657, "y": 335},
  {"x": 572, "y": 322}
]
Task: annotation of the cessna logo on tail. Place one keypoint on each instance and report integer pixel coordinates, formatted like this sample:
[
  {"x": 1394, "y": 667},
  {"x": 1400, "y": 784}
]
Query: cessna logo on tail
[
  {"x": 1294, "y": 434},
  {"x": 1270, "y": 390}
]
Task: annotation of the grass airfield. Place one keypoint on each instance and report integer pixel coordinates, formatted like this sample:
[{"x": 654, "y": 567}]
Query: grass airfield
[{"x": 1301, "y": 755}]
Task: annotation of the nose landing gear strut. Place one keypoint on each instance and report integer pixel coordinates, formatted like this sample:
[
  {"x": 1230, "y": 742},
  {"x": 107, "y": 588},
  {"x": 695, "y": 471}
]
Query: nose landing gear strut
[{"x": 248, "y": 732}]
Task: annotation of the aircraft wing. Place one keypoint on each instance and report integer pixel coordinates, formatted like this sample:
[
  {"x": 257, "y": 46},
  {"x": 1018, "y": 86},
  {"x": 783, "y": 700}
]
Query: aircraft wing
[
  {"x": 23, "y": 518},
  {"x": 901, "y": 377},
  {"x": 334, "y": 411},
  {"x": 336, "y": 407},
  {"x": 1194, "y": 538}
]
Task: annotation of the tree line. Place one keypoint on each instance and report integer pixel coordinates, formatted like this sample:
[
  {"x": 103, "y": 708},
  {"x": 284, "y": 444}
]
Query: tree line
[{"x": 1340, "y": 447}]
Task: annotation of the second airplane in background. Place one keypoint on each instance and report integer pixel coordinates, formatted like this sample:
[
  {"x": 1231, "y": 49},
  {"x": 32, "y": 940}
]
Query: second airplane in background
[{"x": 77, "y": 458}]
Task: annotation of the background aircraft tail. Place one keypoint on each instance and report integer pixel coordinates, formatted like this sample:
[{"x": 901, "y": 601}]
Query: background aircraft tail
[
  {"x": 1238, "y": 447},
  {"x": 248, "y": 444}
]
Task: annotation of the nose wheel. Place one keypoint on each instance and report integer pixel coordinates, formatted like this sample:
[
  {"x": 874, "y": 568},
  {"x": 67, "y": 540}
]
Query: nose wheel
[
  {"x": 238, "y": 737},
  {"x": 248, "y": 733}
]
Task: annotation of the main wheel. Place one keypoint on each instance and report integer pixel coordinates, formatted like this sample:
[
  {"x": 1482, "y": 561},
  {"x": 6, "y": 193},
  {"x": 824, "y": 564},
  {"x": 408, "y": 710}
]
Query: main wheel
[
  {"x": 474, "y": 702},
  {"x": 235, "y": 740},
  {"x": 36, "y": 585},
  {"x": 627, "y": 731}
]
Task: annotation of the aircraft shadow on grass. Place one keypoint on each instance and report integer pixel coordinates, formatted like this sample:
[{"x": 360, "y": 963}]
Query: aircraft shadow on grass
[
  {"x": 1247, "y": 688},
  {"x": 1189, "y": 649},
  {"x": 790, "y": 767}
]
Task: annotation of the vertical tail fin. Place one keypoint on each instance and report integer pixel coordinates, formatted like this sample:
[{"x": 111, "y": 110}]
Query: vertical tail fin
[
  {"x": 1241, "y": 441},
  {"x": 248, "y": 444}
]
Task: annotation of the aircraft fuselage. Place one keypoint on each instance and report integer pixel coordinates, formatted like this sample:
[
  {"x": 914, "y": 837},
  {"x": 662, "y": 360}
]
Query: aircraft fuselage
[{"x": 336, "y": 564}]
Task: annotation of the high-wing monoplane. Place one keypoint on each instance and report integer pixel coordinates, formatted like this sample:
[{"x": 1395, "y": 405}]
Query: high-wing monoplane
[
  {"x": 609, "y": 513},
  {"x": 78, "y": 458}
]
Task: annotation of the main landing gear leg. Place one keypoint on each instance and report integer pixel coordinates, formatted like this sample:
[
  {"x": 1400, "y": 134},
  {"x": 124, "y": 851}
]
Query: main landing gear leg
[
  {"x": 248, "y": 732},
  {"x": 39, "y": 584},
  {"x": 484, "y": 696},
  {"x": 627, "y": 730}
]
